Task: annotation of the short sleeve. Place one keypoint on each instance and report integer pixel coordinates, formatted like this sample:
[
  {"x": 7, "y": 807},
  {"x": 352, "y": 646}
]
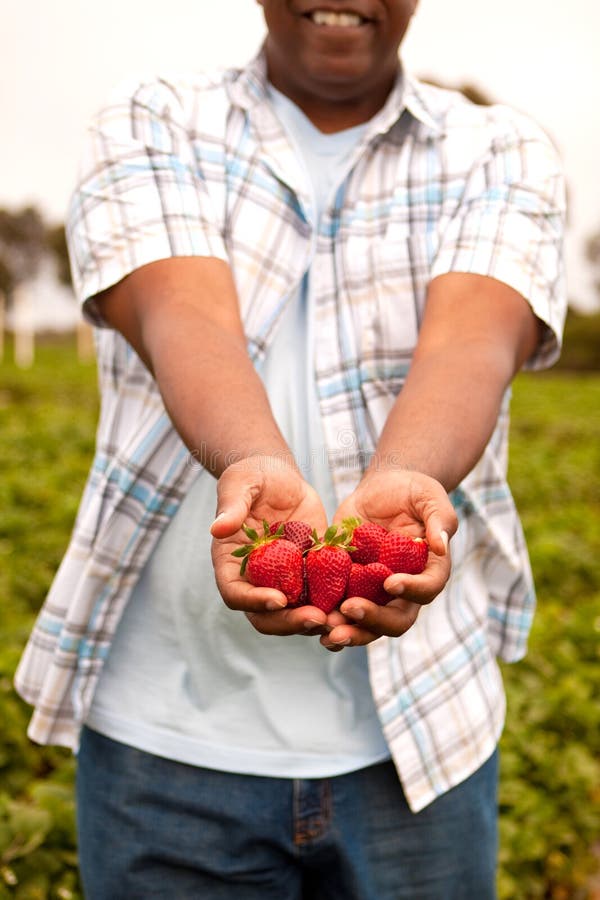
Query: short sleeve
[
  {"x": 142, "y": 194},
  {"x": 509, "y": 225}
]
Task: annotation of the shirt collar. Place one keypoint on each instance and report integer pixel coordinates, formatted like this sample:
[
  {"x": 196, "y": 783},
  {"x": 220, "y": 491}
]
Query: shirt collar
[
  {"x": 249, "y": 89},
  {"x": 416, "y": 102}
]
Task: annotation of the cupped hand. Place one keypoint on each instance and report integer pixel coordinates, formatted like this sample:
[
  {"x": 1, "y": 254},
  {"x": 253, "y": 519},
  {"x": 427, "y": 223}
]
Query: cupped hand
[
  {"x": 415, "y": 504},
  {"x": 257, "y": 489}
]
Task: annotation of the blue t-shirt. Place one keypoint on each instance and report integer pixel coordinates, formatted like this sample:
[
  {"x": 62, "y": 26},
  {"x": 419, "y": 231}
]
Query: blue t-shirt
[{"x": 191, "y": 680}]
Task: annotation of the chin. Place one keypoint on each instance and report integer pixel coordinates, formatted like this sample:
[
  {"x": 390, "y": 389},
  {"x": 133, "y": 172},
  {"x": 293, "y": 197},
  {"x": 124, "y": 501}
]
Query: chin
[{"x": 342, "y": 72}]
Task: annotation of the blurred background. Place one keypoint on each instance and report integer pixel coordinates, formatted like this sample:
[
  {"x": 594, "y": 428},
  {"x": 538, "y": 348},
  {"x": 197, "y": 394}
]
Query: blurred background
[{"x": 59, "y": 62}]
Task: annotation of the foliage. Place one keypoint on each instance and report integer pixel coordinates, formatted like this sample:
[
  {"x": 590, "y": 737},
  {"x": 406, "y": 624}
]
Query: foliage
[
  {"x": 550, "y": 794},
  {"x": 47, "y": 423},
  {"x": 21, "y": 245},
  {"x": 25, "y": 239},
  {"x": 581, "y": 347},
  {"x": 56, "y": 242},
  {"x": 550, "y": 791}
]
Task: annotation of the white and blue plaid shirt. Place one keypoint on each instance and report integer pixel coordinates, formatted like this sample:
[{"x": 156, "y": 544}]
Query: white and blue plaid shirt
[{"x": 201, "y": 166}]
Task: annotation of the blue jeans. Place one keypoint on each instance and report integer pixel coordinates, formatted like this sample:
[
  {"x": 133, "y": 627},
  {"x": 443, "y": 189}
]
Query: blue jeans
[{"x": 153, "y": 828}]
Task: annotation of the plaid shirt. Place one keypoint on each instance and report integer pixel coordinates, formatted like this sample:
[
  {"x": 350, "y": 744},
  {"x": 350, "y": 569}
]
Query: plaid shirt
[{"x": 201, "y": 166}]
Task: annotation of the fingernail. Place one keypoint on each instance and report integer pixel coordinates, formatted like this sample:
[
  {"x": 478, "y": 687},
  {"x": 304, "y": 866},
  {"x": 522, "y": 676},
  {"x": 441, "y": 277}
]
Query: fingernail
[
  {"x": 343, "y": 643},
  {"x": 445, "y": 540},
  {"x": 396, "y": 590},
  {"x": 355, "y": 612},
  {"x": 275, "y": 604},
  {"x": 309, "y": 624}
]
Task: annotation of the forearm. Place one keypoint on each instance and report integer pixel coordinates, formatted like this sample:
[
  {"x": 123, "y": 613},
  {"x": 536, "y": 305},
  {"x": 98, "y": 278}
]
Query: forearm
[
  {"x": 181, "y": 316},
  {"x": 475, "y": 335},
  {"x": 211, "y": 390},
  {"x": 446, "y": 412}
]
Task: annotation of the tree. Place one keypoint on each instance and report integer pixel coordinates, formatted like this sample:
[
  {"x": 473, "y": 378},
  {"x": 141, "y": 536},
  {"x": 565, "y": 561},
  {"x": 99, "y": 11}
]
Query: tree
[
  {"x": 56, "y": 241},
  {"x": 22, "y": 242},
  {"x": 25, "y": 240}
]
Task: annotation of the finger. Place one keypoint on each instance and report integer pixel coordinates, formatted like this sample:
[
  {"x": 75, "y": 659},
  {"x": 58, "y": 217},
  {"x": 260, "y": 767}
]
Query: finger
[
  {"x": 236, "y": 492},
  {"x": 305, "y": 620},
  {"x": 438, "y": 516},
  {"x": 335, "y": 617},
  {"x": 438, "y": 530},
  {"x": 368, "y": 621},
  {"x": 422, "y": 588},
  {"x": 242, "y": 596}
]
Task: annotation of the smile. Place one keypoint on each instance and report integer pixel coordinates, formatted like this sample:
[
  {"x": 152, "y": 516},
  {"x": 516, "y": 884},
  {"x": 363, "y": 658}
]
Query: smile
[{"x": 336, "y": 19}]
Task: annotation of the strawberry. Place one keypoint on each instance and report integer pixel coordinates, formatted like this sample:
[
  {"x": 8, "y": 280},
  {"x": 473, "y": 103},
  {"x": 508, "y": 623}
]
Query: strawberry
[
  {"x": 367, "y": 581},
  {"x": 367, "y": 538},
  {"x": 299, "y": 533},
  {"x": 328, "y": 565},
  {"x": 303, "y": 598},
  {"x": 272, "y": 561},
  {"x": 402, "y": 553}
]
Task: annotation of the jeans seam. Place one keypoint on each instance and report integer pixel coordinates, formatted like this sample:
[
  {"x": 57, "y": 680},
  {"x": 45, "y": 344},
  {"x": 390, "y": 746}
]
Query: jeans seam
[{"x": 311, "y": 828}]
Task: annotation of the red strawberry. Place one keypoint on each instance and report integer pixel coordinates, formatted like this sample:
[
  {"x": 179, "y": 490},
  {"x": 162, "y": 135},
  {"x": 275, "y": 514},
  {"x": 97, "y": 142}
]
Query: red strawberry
[
  {"x": 367, "y": 581},
  {"x": 366, "y": 538},
  {"x": 271, "y": 561},
  {"x": 327, "y": 568},
  {"x": 297, "y": 532},
  {"x": 277, "y": 565},
  {"x": 402, "y": 553},
  {"x": 303, "y": 598}
]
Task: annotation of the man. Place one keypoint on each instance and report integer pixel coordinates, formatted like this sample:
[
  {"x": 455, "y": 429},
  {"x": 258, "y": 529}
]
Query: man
[{"x": 314, "y": 280}]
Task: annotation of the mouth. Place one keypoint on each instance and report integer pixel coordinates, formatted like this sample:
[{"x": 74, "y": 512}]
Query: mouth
[{"x": 326, "y": 18}]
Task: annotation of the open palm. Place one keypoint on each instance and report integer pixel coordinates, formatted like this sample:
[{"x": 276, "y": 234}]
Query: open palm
[
  {"x": 417, "y": 505},
  {"x": 251, "y": 493}
]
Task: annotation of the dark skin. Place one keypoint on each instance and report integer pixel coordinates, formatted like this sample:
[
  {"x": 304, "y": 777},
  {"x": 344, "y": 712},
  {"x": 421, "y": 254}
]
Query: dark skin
[
  {"x": 182, "y": 317},
  {"x": 340, "y": 76}
]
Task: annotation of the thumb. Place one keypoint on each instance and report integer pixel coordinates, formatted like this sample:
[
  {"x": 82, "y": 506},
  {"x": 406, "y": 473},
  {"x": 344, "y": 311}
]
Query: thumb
[
  {"x": 439, "y": 529},
  {"x": 235, "y": 497}
]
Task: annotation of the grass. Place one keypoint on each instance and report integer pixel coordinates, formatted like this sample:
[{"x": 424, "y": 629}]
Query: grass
[
  {"x": 550, "y": 791},
  {"x": 550, "y": 794}
]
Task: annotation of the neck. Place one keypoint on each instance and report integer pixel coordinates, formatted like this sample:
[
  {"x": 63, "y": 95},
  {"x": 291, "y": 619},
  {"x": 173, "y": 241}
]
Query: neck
[
  {"x": 332, "y": 117},
  {"x": 336, "y": 113}
]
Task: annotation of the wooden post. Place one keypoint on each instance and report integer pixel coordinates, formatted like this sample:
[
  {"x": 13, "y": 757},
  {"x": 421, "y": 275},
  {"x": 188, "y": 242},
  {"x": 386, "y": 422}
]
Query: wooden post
[
  {"x": 24, "y": 329},
  {"x": 2, "y": 323},
  {"x": 85, "y": 341}
]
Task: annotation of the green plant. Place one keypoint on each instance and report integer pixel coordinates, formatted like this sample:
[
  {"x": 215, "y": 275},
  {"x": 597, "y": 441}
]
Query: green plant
[
  {"x": 47, "y": 424},
  {"x": 550, "y": 787},
  {"x": 550, "y": 752}
]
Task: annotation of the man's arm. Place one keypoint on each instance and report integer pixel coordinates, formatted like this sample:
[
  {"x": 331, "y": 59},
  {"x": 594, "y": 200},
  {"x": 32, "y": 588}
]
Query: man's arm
[
  {"x": 476, "y": 334},
  {"x": 182, "y": 317}
]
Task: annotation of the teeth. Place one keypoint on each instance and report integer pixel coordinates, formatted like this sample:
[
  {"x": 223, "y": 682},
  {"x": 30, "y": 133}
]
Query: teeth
[{"x": 343, "y": 19}]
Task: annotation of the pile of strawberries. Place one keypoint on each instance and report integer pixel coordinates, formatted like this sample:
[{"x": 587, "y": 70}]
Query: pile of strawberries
[{"x": 351, "y": 560}]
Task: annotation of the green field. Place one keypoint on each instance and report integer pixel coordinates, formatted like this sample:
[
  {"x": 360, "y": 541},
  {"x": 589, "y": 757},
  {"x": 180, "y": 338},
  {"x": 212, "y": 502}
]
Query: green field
[{"x": 550, "y": 792}]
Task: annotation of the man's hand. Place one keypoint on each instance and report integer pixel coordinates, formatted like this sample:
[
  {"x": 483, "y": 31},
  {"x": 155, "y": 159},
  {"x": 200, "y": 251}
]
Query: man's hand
[
  {"x": 255, "y": 489},
  {"x": 475, "y": 334},
  {"x": 417, "y": 505}
]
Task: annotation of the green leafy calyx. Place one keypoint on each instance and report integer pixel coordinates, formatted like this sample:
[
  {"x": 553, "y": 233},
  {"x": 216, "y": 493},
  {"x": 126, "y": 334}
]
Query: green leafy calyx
[{"x": 256, "y": 540}]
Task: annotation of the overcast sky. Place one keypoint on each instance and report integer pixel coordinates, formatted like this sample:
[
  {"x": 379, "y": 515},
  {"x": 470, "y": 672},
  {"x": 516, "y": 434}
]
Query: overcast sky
[{"x": 60, "y": 59}]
